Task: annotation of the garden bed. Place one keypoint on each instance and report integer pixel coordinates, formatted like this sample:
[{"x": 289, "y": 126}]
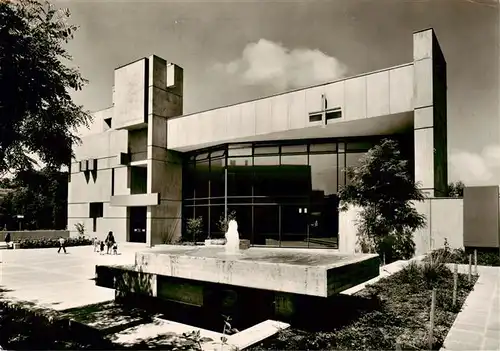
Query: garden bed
[
  {"x": 400, "y": 316},
  {"x": 42, "y": 243}
]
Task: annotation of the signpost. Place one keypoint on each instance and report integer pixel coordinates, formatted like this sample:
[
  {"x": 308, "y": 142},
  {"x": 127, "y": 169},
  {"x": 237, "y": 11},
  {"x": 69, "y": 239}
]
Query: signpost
[{"x": 20, "y": 217}]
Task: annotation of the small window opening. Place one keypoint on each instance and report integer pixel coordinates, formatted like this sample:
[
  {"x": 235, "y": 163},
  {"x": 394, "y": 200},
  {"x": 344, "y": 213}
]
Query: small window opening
[
  {"x": 108, "y": 122},
  {"x": 333, "y": 114},
  {"x": 315, "y": 118}
]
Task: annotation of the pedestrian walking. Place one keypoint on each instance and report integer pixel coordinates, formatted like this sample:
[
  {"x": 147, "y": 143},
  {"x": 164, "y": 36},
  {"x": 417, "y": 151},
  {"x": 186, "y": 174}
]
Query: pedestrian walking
[
  {"x": 110, "y": 240},
  {"x": 7, "y": 239},
  {"x": 62, "y": 245}
]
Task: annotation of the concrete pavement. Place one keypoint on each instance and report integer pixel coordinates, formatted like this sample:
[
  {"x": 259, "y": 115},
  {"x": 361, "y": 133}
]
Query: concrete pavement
[
  {"x": 58, "y": 281},
  {"x": 477, "y": 326}
]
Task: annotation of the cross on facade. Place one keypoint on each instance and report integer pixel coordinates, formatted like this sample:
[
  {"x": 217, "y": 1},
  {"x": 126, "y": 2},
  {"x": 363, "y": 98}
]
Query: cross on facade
[{"x": 324, "y": 107}]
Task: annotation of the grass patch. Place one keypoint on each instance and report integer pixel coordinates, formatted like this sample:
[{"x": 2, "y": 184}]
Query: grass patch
[{"x": 402, "y": 318}]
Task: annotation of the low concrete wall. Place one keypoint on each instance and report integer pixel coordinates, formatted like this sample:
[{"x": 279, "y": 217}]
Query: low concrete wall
[
  {"x": 34, "y": 234},
  {"x": 444, "y": 221}
]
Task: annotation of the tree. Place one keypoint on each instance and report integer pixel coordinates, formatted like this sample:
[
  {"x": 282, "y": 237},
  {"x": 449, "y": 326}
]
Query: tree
[
  {"x": 456, "y": 189},
  {"x": 40, "y": 196},
  {"x": 37, "y": 114},
  {"x": 382, "y": 186}
]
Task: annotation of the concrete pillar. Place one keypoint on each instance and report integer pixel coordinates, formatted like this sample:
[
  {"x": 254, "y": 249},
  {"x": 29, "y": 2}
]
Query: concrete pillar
[
  {"x": 430, "y": 113},
  {"x": 165, "y": 87}
]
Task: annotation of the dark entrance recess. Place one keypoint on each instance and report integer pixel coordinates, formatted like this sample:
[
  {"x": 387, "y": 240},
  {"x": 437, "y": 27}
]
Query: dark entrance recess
[
  {"x": 96, "y": 210},
  {"x": 137, "y": 229}
]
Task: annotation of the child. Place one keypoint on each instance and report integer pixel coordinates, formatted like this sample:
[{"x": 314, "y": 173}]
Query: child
[
  {"x": 61, "y": 245},
  {"x": 102, "y": 247},
  {"x": 115, "y": 249},
  {"x": 96, "y": 244}
]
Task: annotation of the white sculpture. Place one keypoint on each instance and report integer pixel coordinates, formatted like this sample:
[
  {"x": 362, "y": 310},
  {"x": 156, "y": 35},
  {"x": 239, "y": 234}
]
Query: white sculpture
[{"x": 232, "y": 238}]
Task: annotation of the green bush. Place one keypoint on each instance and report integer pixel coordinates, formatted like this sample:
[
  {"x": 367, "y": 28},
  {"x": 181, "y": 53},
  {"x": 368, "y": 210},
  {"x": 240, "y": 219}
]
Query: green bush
[
  {"x": 194, "y": 229},
  {"x": 42, "y": 243}
]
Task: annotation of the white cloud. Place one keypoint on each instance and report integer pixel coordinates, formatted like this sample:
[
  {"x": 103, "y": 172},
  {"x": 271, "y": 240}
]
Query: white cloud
[
  {"x": 477, "y": 169},
  {"x": 271, "y": 64}
]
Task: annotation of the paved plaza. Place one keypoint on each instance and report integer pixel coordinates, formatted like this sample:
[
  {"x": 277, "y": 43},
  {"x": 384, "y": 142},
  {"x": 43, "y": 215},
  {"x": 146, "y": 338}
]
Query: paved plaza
[
  {"x": 477, "y": 326},
  {"x": 58, "y": 281}
]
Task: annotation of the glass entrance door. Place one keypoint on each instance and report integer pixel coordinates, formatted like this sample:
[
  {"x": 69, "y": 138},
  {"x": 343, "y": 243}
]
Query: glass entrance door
[
  {"x": 294, "y": 222},
  {"x": 137, "y": 228},
  {"x": 324, "y": 222}
]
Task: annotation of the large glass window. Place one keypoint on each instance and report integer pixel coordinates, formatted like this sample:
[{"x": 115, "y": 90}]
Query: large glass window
[
  {"x": 217, "y": 170},
  {"x": 266, "y": 225},
  {"x": 294, "y": 160},
  {"x": 294, "y": 225},
  {"x": 240, "y": 176},
  {"x": 216, "y": 214},
  {"x": 201, "y": 179},
  {"x": 240, "y": 150},
  {"x": 341, "y": 170},
  {"x": 324, "y": 173},
  {"x": 283, "y": 193}
]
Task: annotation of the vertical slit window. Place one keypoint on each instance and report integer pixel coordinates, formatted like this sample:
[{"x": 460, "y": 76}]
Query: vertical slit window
[{"x": 112, "y": 181}]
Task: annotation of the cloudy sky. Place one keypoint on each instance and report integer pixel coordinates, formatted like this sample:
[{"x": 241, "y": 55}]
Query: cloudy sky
[{"x": 239, "y": 50}]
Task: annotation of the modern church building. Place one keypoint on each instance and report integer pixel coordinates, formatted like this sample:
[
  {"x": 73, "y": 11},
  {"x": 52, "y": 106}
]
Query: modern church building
[{"x": 144, "y": 169}]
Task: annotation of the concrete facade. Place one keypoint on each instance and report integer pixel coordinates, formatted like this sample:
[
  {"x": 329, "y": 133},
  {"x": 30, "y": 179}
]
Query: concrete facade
[
  {"x": 131, "y": 157},
  {"x": 471, "y": 221},
  {"x": 445, "y": 221}
]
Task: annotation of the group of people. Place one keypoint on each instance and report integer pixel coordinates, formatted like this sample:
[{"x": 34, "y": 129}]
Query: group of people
[{"x": 109, "y": 243}]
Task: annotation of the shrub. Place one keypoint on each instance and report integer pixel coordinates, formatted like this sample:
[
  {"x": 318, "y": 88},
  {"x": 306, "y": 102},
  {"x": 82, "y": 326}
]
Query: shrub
[
  {"x": 425, "y": 275},
  {"x": 456, "y": 189},
  {"x": 434, "y": 271},
  {"x": 52, "y": 242},
  {"x": 194, "y": 229},
  {"x": 80, "y": 228}
]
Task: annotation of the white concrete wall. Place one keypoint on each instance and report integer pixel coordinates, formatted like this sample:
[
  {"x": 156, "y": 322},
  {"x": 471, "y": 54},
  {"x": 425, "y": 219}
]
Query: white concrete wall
[
  {"x": 429, "y": 100},
  {"x": 348, "y": 240},
  {"x": 375, "y": 94},
  {"x": 137, "y": 143},
  {"x": 129, "y": 96},
  {"x": 105, "y": 145},
  {"x": 444, "y": 221}
]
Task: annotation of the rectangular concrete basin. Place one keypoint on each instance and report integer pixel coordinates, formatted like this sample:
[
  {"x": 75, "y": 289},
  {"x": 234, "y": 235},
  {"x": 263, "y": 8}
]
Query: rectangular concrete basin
[{"x": 313, "y": 272}]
